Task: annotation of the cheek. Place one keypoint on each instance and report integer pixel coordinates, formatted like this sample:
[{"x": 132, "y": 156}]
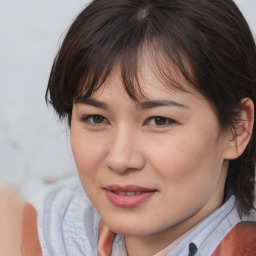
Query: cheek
[
  {"x": 88, "y": 159},
  {"x": 189, "y": 170},
  {"x": 186, "y": 158},
  {"x": 88, "y": 154}
]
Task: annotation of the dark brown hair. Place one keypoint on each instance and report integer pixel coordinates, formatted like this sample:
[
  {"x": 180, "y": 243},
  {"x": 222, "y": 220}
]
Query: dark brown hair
[{"x": 211, "y": 35}]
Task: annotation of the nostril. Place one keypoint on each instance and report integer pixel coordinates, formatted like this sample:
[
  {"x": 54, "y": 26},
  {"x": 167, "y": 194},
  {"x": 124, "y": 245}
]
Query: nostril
[{"x": 125, "y": 162}]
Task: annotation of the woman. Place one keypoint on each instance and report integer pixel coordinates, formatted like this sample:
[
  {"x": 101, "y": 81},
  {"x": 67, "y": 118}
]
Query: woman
[{"x": 159, "y": 96}]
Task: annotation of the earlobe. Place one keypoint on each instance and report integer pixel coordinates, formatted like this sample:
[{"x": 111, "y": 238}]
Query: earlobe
[{"x": 242, "y": 132}]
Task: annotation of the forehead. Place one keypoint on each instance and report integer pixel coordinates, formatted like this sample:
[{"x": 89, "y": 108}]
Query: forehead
[
  {"x": 154, "y": 75},
  {"x": 151, "y": 85},
  {"x": 149, "y": 59}
]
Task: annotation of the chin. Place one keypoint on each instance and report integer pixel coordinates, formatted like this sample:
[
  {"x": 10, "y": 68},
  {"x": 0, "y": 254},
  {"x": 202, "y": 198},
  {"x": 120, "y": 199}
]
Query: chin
[{"x": 127, "y": 229}]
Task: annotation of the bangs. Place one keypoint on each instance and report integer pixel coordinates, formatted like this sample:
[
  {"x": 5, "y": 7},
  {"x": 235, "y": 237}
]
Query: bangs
[
  {"x": 121, "y": 38},
  {"x": 167, "y": 68}
]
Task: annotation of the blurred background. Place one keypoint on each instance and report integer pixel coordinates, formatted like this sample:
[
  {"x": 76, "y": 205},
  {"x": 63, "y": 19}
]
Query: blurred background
[{"x": 34, "y": 145}]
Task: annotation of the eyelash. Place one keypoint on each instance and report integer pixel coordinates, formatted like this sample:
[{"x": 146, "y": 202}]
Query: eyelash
[
  {"x": 89, "y": 119},
  {"x": 86, "y": 119},
  {"x": 167, "y": 121}
]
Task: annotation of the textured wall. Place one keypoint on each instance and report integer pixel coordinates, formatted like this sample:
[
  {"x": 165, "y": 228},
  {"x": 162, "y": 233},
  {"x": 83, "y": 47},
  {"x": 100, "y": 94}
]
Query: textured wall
[{"x": 32, "y": 143}]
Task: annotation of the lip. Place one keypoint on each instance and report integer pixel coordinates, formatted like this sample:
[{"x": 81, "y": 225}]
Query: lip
[{"x": 130, "y": 200}]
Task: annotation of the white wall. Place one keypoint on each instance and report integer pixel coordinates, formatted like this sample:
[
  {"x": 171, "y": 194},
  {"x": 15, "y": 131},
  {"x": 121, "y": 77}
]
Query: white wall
[{"x": 32, "y": 143}]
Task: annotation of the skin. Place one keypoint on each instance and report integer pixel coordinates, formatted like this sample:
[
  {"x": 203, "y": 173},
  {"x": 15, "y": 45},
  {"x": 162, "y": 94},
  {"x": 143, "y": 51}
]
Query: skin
[
  {"x": 11, "y": 218},
  {"x": 183, "y": 156}
]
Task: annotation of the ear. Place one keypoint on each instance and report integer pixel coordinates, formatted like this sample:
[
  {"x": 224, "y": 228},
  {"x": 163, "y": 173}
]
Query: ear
[{"x": 241, "y": 135}]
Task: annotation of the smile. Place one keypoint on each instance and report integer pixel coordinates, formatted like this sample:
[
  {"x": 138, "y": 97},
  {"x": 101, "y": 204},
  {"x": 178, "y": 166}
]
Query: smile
[
  {"x": 128, "y": 196},
  {"x": 126, "y": 193}
]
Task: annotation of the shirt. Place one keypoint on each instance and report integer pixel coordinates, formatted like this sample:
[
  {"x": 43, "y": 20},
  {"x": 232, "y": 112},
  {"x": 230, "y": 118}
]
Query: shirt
[
  {"x": 68, "y": 225},
  {"x": 204, "y": 239}
]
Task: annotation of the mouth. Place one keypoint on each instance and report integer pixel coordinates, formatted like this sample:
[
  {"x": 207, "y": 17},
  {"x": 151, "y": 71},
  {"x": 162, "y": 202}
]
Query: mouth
[
  {"x": 128, "y": 196},
  {"x": 126, "y": 193}
]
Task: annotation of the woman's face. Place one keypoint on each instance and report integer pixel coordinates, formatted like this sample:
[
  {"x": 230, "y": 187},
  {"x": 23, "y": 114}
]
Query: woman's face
[{"x": 152, "y": 167}]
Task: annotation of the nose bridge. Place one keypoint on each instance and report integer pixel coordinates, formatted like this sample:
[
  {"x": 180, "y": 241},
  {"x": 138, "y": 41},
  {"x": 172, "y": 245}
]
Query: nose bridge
[{"x": 124, "y": 152}]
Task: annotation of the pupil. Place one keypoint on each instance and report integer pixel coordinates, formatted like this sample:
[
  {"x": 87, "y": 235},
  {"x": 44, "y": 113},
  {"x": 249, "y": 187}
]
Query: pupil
[
  {"x": 160, "y": 120},
  {"x": 97, "y": 119}
]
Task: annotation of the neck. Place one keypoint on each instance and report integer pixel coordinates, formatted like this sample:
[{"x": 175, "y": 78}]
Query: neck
[{"x": 151, "y": 244}]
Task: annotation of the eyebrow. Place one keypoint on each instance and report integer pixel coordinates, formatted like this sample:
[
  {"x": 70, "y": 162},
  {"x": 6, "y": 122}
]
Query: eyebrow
[
  {"x": 159, "y": 103},
  {"x": 141, "y": 105},
  {"x": 92, "y": 102}
]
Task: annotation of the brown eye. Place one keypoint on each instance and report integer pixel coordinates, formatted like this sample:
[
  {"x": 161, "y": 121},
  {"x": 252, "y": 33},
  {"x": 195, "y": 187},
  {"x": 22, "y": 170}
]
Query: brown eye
[
  {"x": 94, "y": 120},
  {"x": 160, "y": 120},
  {"x": 98, "y": 119}
]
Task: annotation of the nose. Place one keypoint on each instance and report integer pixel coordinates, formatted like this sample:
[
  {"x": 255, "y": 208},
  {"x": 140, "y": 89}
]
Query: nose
[{"x": 125, "y": 153}]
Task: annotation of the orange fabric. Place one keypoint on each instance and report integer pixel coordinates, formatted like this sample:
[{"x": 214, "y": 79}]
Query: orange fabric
[
  {"x": 240, "y": 241},
  {"x": 105, "y": 240},
  {"x": 30, "y": 240}
]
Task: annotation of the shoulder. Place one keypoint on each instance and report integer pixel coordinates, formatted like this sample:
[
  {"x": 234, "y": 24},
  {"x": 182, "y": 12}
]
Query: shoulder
[
  {"x": 241, "y": 240},
  {"x": 11, "y": 219},
  {"x": 57, "y": 197},
  {"x": 66, "y": 216}
]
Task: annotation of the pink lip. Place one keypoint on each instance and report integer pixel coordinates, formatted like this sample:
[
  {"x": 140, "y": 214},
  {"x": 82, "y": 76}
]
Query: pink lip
[{"x": 127, "y": 201}]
